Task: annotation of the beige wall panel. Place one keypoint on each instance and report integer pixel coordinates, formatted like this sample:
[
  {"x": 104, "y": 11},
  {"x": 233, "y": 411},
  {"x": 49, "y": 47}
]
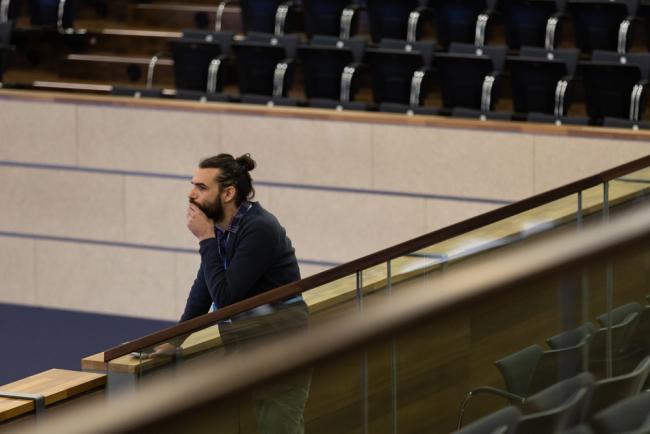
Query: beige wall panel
[
  {"x": 302, "y": 151},
  {"x": 560, "y": 160},
  {"x": 307, "y": 270},
  {"x": 62, "y": 203},
  {"x": 340, "y": 227},
  {"x": 18, "y": 280},
  {"x": 442, "y": 213},
  {"x": 37, "y": 132},
  {"x": 187, "y": 266},
  {"x": 453, "y": 162},
  {"x": 103, "y": 279},
  {"x": 155, "y": 212},
  {"x": 166, "y": 141}
]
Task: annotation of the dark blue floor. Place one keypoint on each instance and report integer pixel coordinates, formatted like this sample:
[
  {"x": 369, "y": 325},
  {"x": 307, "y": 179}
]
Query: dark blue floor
[{"x": 36, "y": 339}]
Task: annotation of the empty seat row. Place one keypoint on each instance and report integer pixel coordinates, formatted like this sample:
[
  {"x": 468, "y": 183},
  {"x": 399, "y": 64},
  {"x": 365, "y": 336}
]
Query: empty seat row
[
  {"x": 402, "y": 74},
  {"x": 598, "y": 24},
  {"x": 536, "y": 378}
]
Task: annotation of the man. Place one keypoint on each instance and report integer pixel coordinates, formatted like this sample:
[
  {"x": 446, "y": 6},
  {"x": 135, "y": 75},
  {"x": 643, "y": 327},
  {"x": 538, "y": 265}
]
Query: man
[{"x": 244, "y": 252}]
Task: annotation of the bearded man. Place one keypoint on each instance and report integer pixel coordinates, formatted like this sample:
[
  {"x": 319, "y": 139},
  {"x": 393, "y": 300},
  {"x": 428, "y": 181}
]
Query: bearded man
[{"x": 244, "y": 252}]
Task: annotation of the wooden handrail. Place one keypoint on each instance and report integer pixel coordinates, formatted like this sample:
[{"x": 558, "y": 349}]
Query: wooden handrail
[{"x": 376, "y": 258}]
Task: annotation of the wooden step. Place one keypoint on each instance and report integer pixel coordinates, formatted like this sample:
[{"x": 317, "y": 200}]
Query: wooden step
[
  {"x": 112, "y": 69},
  {"x": 184, "y": 16},
  {"x": 55, "y": 385}
]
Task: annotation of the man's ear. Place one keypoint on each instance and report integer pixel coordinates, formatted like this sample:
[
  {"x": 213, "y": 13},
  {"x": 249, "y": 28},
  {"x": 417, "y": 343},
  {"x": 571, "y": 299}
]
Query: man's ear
[{"x": 230, "y": 193}]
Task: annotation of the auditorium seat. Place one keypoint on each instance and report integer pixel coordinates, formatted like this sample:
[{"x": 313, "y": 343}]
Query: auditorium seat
[
  {"x": 503, "y": 421},
  {"x": 332, "y": 68},
  {"x": 338, "y": 105},
  {"x": 331, "y": 17},
  {"x": 628, "y": 416},
  {"x": 637, "y": 341},
  {"x": 278, "y": 17},
  {"x": 609, "y": 391},
  {"x": 597, "y": 341},
  {"x": 470, "y": 77},
  {"x": 536, "y": 23},
  {"x": 603, "y": 24},
  {"x": 5, "y": 45},
  {"x": 614, "y": 85},
  {"x": 462, "y": 21},
  {"x": 201, "y": 60},
  {"x": 530, "y": 371},
  {"x": 397, "y": 19},
  {"x": 265, "y": 65},
  {"x": 53, "y": 13},
  {"x": 559, "y": 407},
  {"x": 400, "y": 72},
  {"x": 541, "y": 80}
]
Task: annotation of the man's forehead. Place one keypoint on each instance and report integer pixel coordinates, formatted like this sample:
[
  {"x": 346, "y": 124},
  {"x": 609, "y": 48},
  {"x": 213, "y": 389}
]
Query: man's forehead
[{"x": 205, "y": 176}]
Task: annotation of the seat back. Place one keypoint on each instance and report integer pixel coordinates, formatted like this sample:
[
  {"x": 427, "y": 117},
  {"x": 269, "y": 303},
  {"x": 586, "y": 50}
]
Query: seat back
[
  {"x": 462, "y": 73},
  {"x": 46, "y": 12},
  {"x": 557, "y": 365},
  {"x": 259, "y": 15},
  {"x": 571, "y": 338},
  {"x": 389, "y": 18},
  {"x": 608, "y": 88},
  {"x": 503, "y": 421},
  {"x": 525, "y": 21},
  {"x": 393, "y": 69},
  {"x": 257, "y": 58},
  {"x": 612, "y": 390},
  {"x": 456, "y": 20},
  {"x": 597, "y": 22},
  {"x": 557, "y": 394},
  {"x": 534, "y": 81},
  {"x": 628, "y": 415},
  {"x": 322, "y": 70},
  {"x": 556, "y": 420},
  {"x": 5, "y": 38},
  {"x": 323, "y": 17},
  {"x": 620, "y": 335},
  {"x": 517, "y": 369},
  {"x": 192, "y": 59}
]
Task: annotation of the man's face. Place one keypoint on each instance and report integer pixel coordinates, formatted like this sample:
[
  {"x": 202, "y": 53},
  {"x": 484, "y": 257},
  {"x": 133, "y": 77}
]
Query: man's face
[{"x": 206, "y": 193}]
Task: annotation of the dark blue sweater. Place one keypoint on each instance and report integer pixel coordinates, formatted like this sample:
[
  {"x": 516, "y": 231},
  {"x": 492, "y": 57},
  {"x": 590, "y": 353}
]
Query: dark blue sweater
[{"x": 259, "y": 255}]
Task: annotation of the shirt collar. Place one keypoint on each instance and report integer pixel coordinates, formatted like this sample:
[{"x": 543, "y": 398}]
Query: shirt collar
[{"x": 236, "y": 220}]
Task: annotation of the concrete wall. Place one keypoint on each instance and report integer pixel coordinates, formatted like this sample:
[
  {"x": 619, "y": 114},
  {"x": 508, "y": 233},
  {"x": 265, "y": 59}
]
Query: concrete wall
[{"x": 93, "y": 196}]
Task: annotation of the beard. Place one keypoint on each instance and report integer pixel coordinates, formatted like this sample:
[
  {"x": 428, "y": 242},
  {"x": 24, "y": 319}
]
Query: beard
[{"x": 213, "y": 210}]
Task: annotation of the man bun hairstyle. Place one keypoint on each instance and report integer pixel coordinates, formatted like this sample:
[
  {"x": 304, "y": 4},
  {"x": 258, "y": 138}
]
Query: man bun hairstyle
[{"x": 234, "y": 172}]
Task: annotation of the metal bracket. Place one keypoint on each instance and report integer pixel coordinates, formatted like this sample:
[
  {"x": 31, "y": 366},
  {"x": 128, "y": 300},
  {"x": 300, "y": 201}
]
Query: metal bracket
[
  {"x": 219, "y": 16},
  {"x": 486, "y": 95},
  {"x": 38, "y": 399},
  {"x": 479, "y": 31},
  {"x": 278, "y": 78},
  {"x": 4, "y": 10},
  {"x": 560, "y": 93},
  {"x": 151, "y": 69},
  {"x": 551, "y": 30},
  {"x": 623, "y": 31},
  {"x": 416, "y": 88},
  {"x": 281, "y": 19},
  {"x": 412, "y": 29},
  {"x": 346, "y": 83},
  {"x": 635, "y": 102},
  {"x": 213, "y": 75},
  {"x": 347, "y": 16},
  {"x": 59, "y": 20}
]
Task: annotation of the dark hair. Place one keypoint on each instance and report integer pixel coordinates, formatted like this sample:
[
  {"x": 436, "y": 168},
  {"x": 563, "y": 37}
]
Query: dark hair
[{"x": 233, "y": 172}]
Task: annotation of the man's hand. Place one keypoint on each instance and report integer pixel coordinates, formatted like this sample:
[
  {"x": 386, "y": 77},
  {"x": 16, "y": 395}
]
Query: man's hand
[
  {"x": 163, "y": 350},
  {"x": 199, "y": 224}
]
